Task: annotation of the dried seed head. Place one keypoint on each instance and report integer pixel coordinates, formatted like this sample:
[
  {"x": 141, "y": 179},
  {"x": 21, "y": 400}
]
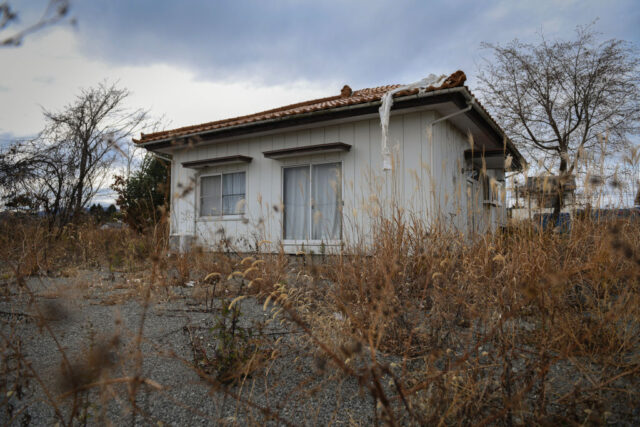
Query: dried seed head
[
  {"x": 616, "y": 183},
  {"x": 51, "y": 311},
  {"x": 320, "y": 363},
  {"x": 595, "y": 180},
  {"x": 356, "y": 347}
]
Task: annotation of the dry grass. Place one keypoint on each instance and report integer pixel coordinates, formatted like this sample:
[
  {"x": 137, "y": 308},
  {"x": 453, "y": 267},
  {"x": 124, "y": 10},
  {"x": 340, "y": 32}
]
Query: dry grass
[{"x": 519, "y": 327}]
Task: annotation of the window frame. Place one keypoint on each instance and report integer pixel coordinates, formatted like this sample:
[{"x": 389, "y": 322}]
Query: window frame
[
  {"x": 492, "y": 196},
  {"x": 222, "y": 215},
  {"x": 310, "y": 164}
]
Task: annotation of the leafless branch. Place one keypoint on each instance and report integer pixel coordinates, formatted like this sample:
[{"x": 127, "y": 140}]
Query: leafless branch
[
  {"x": 555, "y": 98},
  {"x": 55, "y": 12}
]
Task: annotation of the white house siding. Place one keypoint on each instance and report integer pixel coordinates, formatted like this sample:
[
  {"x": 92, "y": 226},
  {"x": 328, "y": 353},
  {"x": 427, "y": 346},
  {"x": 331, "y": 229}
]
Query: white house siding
[{"x": 427, "y": 187}]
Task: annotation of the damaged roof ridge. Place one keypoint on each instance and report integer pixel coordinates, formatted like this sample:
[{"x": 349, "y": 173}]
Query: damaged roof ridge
[
  {"x": 359, "y": 96},
  {"x": 355, "y": 94},
  {"x": 246, "y": 116}
]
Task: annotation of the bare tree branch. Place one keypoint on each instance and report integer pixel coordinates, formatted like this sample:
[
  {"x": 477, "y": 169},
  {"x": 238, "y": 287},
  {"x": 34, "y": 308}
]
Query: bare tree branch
[
  {"x": 556, "y": 97},
  {"x": 55, "y": 12},
  {"x": 62, "y": 169}
]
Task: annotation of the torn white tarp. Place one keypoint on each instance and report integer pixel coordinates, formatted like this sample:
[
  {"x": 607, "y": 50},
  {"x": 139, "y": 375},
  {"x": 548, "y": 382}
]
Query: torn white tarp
[{"x": 385, "y": 110}]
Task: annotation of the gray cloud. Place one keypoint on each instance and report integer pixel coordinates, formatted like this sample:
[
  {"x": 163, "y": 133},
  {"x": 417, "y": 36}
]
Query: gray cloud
[
  {"x": 362, "y": 42},
  {"x": 47, "y": 80}
]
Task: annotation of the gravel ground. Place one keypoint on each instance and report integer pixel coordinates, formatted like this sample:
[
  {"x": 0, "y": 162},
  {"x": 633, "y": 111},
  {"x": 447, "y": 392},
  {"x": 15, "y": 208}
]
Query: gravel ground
[
  {"x": 87, "y": 310},
  {"x": 84, "y": 316}
]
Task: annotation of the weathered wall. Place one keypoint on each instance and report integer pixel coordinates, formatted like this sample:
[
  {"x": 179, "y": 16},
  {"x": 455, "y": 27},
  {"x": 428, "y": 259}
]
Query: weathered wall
[{"x": 428, "y": 179}]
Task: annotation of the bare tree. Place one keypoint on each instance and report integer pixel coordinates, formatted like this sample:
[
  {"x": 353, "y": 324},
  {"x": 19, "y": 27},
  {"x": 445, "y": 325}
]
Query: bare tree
[
  {"x": 631, "y": 164},
  {"x": 555, "y": 98},
  {"x": 37, "y": 178},
  {"x": 55, "y": 11},
  {"x": 64, "y": 167}
]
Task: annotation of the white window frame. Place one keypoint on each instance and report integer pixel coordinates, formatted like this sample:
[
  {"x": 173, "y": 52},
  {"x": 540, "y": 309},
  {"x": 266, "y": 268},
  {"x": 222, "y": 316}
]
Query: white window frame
[
  {"x": 494, "y": 198},
  {"x": 222, "y": 216},
  {"x": 313, "y": 242},
  {"x": 472, "y": 198}
]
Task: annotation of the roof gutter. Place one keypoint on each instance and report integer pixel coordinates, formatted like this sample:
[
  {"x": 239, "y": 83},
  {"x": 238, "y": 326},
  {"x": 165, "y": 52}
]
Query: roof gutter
[
  {"x": 263, "y": 122},
  {"x": 471, "y": 103},
  {"x": 447, "y": 117},
  {"x": 470, "y": 99},
  {"x": 461, "y": 90},
  {"x": 301, "y": 115},
  {"x": 162, "y": 157},
  {"x": 441, "y": 119}
]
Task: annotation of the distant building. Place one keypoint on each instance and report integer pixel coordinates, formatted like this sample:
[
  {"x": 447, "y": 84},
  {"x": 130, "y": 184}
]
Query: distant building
[{"x": 538, "y": 196}]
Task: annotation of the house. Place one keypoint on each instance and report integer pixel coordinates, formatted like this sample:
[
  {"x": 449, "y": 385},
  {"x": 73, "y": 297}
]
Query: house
[
  {"x": 313, "y": 175},
  {"x": 539, "y": 194}
]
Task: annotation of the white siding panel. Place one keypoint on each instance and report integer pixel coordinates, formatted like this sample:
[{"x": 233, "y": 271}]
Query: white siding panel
[
  {"x": 332, "y": 134},
  {"x": 413, "y": 184},
  {"x": 317, "y": 136},
  {"x": 304, "y": 137},
  {"x": 395, "y": 186},
  {"x": 366, "y": 188}
]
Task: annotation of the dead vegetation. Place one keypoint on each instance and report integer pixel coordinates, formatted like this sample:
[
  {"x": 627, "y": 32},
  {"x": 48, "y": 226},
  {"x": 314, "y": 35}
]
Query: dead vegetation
[{"x": 519, "y": 327}]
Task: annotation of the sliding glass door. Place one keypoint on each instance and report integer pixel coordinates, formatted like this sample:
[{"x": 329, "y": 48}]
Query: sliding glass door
[
  {"x": 313, "y": 202},
  {"x": 326, "y": 201},
  {"x": 297, "y": 199}
]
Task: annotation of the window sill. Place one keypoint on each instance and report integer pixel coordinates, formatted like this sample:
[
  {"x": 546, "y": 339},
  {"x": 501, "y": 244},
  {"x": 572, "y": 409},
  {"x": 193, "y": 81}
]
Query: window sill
[
  {"x": 221, "y": 218},
  {"x": 312, "y": 242}
]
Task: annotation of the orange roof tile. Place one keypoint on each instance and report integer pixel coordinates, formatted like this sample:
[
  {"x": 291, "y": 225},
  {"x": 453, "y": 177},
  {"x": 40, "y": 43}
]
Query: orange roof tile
[{"x": 346, "y": 97}]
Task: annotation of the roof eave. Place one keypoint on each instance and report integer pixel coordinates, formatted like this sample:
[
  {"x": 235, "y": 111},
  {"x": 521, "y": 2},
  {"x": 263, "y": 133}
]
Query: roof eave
[
  {"x": 519, "y": 161},
  {"x": 298, "y": 116},
  {"x": 258, "y": 123}
]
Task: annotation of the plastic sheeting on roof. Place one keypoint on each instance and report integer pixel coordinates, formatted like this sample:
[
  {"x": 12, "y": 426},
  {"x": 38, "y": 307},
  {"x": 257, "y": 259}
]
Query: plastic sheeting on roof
[{"x": 385, "y": 110}]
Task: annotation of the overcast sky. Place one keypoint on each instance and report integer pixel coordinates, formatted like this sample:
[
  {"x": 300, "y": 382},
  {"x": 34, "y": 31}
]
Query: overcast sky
[{"x": 196, "y": 61}]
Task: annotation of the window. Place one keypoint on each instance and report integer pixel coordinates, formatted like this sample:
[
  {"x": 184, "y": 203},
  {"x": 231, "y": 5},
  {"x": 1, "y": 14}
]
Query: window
[
  {"x": 210, "y": 195},
  {"x": 313, "y": 202},
  {"x": 492, "y": 191},
  {"x": 472, "y": 205},
  {"x": 222, "y": 194},
  {"x": 233, "y": 193}
]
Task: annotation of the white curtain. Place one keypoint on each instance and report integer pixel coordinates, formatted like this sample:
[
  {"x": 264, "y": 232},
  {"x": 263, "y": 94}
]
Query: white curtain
[
  {"x": 233, "y": 187},
  {"x": 210, "y": 192},
  {"x": 296, "y": 203},
  {"x": 327, "y": 198}
]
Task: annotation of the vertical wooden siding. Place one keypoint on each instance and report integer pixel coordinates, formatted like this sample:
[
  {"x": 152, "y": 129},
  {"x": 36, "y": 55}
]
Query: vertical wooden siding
[{"x": 427, "y": 181}]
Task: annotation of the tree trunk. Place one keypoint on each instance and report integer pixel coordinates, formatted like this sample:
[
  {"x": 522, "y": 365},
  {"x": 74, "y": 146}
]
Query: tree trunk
[
  {"x": 558, "y": 201},
  {"x": 80, "y": 185}
]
